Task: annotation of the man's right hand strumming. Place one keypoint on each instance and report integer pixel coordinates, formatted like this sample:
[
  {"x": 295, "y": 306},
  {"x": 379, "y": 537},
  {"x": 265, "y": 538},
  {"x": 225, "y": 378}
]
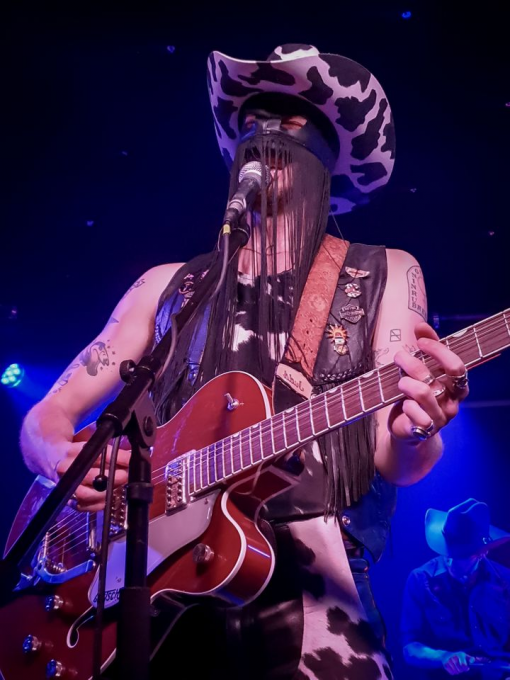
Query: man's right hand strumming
[{"x": 86, "y": 497}]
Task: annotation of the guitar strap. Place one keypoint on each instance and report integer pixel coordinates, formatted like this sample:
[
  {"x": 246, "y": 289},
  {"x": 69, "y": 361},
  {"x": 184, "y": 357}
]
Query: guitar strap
[{"x": 296, "y": 367}]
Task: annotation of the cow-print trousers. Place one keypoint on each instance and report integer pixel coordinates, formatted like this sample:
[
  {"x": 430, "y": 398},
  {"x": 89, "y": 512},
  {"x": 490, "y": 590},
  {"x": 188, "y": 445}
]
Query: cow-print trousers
[{"x": 338, "y": 641}]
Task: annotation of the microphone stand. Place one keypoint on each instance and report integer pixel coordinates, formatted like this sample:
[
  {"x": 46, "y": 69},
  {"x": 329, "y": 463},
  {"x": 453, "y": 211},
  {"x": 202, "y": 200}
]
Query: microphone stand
[{"x": 131, "y": 413}]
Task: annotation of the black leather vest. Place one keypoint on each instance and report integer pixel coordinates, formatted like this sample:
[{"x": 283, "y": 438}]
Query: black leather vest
[{"x": 354, "y": 308}]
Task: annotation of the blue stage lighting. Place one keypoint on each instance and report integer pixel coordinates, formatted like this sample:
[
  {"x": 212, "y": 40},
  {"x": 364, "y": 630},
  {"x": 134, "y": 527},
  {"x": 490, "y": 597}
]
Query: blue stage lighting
[
  {"x": 12, "y": 376},
  {"x": 406, "y": 15}
]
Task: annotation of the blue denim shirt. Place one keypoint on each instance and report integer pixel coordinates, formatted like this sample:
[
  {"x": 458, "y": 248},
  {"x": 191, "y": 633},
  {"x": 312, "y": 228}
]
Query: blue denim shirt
[{"x": 441, "y": 613}]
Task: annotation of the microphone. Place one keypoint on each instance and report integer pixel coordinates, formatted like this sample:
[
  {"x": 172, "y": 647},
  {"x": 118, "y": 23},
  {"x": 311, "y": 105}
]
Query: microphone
[{"x": 250, "y": 183}]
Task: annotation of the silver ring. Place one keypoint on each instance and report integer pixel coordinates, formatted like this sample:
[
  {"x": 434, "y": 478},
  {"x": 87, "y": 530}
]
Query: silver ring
[
  {"x": 460, "y": 382},
  {"x": 429, "y": 379},
  {"x": 430, "y": 428},
  {"x": 422, "y": 433},
  {"x": 439, "y": 392}
]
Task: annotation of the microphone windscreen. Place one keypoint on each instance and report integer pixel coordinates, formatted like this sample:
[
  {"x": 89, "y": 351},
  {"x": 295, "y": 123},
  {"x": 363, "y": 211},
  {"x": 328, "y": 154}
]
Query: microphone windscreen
[{"x": 254, "y": 169}]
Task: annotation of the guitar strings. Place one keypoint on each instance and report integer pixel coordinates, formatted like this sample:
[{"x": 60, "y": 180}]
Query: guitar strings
[
  {"x": 333, "y": 399},
  {"x": 205, "y": 454}
]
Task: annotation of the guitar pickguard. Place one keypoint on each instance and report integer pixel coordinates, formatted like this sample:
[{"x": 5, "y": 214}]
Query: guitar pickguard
[{"x": 167, "y": 534}]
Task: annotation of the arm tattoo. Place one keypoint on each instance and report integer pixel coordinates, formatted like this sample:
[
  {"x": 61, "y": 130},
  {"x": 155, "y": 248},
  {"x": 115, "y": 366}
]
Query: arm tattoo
[
  {"x": 96, "y": 357},
  {"x": 112, "y": 319},
  {"x": 136, "y": 284},
  {"x": 417, "y": 298},
  {"x": 378, "y": 353},
  {"x": 395, "y": 335},
  {"x": 64, "y": 378},
  {"x": 411, "y": 348}
]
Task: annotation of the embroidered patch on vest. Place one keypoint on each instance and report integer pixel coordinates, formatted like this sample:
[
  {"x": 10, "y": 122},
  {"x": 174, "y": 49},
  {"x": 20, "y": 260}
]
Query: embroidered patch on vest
[
  {"x": 357, "y": 273},
  {"x": 352, "y": 313},
  {"x": 338, "y": 336},
  {"x": 352, "y": 290},
  {"x": 188, "y": 285}
]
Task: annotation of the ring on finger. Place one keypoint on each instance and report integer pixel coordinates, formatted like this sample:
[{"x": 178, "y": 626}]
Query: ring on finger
[
  {"x": 429, "y": 379},
  {"x": 440, "y": 391},
  {"x": 422, "y": 433},
  {"x": 460, "y": 382},
  {"x": 430, "y": 428}
]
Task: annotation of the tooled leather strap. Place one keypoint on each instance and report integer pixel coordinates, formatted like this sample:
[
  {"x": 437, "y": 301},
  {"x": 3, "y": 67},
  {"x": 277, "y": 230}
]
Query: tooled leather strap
[{"x": 312, "y": 315}]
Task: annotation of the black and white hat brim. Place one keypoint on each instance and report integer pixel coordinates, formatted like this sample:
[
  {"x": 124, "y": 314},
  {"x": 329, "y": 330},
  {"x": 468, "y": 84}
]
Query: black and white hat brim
[{"x": 349, "y": 95}]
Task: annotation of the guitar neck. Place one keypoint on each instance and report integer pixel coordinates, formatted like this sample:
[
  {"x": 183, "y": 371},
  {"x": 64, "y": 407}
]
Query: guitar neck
[{"x": 354, "y": 399}]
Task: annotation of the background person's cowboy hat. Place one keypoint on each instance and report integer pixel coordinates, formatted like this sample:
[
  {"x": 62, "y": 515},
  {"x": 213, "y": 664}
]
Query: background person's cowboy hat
[{"x": 463, "y": 531}]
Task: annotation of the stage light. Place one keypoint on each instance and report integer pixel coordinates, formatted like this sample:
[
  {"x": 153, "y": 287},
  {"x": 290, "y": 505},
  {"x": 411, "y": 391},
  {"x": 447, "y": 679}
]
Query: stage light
[
  {"x": 406, "y": 15},
  {"x": 12, "y": 376}
]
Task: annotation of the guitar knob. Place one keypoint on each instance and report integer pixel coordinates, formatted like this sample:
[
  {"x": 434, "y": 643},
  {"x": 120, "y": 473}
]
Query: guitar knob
[
  {"x": 31, "y": 644},
  {"x": 54, "y": 669},
  {"x": 202, "y": 553},
  {"x": 53, "y": 602}
]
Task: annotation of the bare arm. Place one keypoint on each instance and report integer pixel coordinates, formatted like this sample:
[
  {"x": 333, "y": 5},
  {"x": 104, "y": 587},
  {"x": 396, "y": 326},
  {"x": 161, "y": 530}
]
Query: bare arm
[
  {"x": 91, "y": 380},
  {"x": 401, "y": 330}
]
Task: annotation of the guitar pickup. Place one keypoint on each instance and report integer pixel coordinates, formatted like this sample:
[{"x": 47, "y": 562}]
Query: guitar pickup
[{"x": 175, "y": 475}]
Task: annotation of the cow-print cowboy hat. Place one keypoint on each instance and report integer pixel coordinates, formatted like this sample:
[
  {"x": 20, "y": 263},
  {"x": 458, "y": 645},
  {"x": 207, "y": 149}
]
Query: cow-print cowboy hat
[{"x": 349, "y": 95}]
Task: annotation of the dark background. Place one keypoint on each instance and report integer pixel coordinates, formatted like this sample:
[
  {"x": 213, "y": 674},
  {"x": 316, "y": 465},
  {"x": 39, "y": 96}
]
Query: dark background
[{"x": 110, "y": 166}]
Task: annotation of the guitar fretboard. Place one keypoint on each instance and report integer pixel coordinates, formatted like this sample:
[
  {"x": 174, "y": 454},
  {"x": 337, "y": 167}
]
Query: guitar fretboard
[{"x": 288, "y": 430}]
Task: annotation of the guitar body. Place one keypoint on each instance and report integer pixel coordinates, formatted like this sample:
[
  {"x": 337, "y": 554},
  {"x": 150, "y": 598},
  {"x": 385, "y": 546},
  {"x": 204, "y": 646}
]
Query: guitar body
[
  {"x": 212, "y": 546},
  {"x": 213, "y": 467}
]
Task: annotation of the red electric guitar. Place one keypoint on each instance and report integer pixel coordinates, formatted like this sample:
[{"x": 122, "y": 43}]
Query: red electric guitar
[{"x": 213, "y": 466}]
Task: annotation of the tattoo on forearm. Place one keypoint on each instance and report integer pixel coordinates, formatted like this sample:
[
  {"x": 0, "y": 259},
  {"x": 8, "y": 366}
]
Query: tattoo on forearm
[
  {"x": 417, "y": 299},
  {"x": 378, "y": 353},
  {"x": 64, "y": 378},
  {"x": 112, "y": 319},
  {"x": 136, "y": 284},
  {"x": 395, "y": 335},
  {"x": 411, "y": 348},
  {"x": 96, "y": 357}
]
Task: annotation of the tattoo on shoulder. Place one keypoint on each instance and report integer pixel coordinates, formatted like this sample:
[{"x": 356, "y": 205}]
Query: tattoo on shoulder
[
  {"x": 378, "y": 353},
  {"x": 136, "y": 284},
  {"x": 417, "y": 296}
]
